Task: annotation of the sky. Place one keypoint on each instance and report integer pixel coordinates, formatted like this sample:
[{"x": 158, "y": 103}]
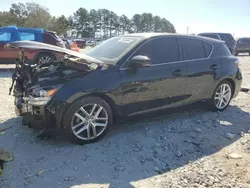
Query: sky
[{"x": 232, "y": 16}]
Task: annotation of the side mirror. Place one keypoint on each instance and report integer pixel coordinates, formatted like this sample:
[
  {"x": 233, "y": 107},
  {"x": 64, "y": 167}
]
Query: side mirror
[{"x": 139, "y": 61}]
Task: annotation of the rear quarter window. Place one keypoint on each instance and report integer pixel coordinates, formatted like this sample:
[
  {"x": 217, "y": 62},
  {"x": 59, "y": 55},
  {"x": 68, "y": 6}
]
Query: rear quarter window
[
  {"x": 222, "y": 50},
  {"x": 208, "y": 48},
  {"x": 5, "y": 36}
]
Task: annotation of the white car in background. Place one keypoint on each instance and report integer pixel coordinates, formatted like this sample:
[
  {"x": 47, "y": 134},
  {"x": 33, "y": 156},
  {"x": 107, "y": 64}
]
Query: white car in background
[{"x": 90, "y": 43}]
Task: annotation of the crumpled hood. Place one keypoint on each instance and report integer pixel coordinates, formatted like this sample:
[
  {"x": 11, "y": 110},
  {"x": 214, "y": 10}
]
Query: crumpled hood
[{"x": 42, "y": 46}]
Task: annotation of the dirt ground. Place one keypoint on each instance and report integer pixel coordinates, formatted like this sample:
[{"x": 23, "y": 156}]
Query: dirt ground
[{"x": 191, "y": 147}]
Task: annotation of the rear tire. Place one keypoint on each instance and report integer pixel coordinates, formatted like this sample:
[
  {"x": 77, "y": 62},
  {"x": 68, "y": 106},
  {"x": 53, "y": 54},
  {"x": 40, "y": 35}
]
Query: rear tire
[
  {"x": 45, "y": 58},
  {"x": 87, "y": 120},
  {"x": 221, "y": 97}
]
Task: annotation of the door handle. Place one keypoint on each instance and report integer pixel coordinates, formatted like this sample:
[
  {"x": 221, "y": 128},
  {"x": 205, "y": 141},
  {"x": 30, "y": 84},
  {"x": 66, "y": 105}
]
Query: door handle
[
  {"x": 177, "y": 72},
  {"x": 214, "y": 67}
]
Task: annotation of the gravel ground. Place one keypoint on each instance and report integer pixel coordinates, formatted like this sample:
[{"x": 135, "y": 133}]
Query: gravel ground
[{"x": 191, "y": 147}]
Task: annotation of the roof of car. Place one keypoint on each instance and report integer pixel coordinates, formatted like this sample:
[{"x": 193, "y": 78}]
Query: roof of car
[
  {"x": 151, "y": 35},
  {"x": 244, "y": 38},
  {"x": 218, "y": 33},
  {"x": 23, "y": 29}
]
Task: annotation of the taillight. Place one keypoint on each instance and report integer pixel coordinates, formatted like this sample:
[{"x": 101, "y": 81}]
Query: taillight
[
  {"x": 61, "y": 44},
  {"x": 237, "y": 62}
]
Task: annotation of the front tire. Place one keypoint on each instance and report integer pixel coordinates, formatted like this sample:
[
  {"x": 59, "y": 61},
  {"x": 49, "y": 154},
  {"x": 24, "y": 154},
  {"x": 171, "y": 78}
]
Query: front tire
[
  {"x": 222, "y": 96},
  {"x": 88, "y": 120}
]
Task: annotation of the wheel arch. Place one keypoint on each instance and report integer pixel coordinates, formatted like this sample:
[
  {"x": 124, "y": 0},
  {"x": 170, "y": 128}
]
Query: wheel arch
[
  {"x": 116, "y": 112},
  {"x": 44, "y": 52},
  {"x": 230, "y": 80}
]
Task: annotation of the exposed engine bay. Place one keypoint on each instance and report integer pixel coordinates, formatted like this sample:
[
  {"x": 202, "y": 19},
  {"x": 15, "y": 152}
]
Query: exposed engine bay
[{"x": 33, "y": 85}]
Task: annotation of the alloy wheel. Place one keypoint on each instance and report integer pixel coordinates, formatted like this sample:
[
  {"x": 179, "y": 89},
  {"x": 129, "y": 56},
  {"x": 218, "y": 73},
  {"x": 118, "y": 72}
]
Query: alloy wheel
[
  {"x": 45, "y": 59},
  {"x": 222, "y": 96},
  {"x": 89, "y": 121}
]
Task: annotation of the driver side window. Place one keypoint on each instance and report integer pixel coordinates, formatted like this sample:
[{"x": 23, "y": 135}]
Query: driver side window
[{"x": 160, "y": 50}]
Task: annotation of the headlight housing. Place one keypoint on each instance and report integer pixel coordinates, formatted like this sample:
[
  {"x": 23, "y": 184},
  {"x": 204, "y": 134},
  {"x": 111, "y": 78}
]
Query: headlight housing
[
  {"x": 41, "y": 96},
  {"x": 46, "y": 91}
]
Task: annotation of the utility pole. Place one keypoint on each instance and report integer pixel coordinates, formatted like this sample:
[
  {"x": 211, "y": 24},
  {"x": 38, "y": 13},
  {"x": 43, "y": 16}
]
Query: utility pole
[{"x": 187, "y": 29}]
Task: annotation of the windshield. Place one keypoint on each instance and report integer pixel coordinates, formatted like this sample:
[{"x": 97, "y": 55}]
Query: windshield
[{"x": 112, "y": 49}]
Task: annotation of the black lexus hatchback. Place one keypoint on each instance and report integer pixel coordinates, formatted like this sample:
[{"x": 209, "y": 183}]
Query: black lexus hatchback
[{"x": 123, "y": 76}]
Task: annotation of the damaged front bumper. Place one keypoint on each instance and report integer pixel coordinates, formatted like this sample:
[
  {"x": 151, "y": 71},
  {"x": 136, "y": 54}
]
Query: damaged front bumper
[{"x": 34, "y": 113}]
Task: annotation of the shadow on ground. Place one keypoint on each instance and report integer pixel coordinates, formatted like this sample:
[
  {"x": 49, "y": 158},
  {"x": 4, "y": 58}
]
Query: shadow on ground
[{"x": 136, "y": 149}]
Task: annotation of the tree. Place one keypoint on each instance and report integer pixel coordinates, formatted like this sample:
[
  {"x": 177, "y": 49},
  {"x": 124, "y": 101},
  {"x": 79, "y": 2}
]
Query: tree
[
  {"x": 7, "y": 19},
  {"x": 37, "y": 16},
  {"x": 157, "y": 23},
  {"x": 124, "y": 23},
  {"x": 167, "y": 26},
  {"x": 94, "y": 20},
  {"x": 136, "y": 21},
  {"x": 147, "y": 22},
  {"x": 60, "y": 25},
  {"x": 81, "y": 22},
  {"x": 112, "y": 19},
  {"x": 19, "y": 13}
]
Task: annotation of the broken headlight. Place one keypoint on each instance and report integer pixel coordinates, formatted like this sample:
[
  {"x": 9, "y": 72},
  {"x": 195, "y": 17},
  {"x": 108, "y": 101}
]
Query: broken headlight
[{"x": 46, "y": 91}]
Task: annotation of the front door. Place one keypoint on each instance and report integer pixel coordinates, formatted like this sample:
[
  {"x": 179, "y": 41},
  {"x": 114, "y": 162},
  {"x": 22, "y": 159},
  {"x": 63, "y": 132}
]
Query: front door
[{"x": 158, "y": 86}]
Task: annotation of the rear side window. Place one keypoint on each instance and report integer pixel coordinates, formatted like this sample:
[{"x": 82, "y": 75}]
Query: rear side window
[
  {"x": 193, "y": 49},
  {"x": 27, "y": 36},
  {"x": 5, "y": 36},
  {"x": 161, "y": 50},
  {"x": 207, "y": 48}
]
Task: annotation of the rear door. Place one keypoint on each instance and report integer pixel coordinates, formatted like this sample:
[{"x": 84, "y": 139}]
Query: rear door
[
  {"x": 158, "y": 86},
  {"x": 201, "y": 69}
]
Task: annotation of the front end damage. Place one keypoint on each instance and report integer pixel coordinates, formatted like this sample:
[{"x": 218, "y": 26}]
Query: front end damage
[{"x": 35, "y": 85}]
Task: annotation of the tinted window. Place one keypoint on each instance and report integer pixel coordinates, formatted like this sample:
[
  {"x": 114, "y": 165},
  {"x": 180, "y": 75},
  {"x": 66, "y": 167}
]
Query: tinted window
[
  {"x": 162, "y": 50},
  {"x": 27, "y": 36},
  {"x": 111, "y": 49},
  {"x": 243, "y": 41},
  {"x": 5, "y": 36},
  {"x": 214, "y": 36},
  {"x": 226, "y": 37},
  {"x": 193, "y": 49},
  {"x": 207, "y": 48},
  {"x": 222, "y": 50}
]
